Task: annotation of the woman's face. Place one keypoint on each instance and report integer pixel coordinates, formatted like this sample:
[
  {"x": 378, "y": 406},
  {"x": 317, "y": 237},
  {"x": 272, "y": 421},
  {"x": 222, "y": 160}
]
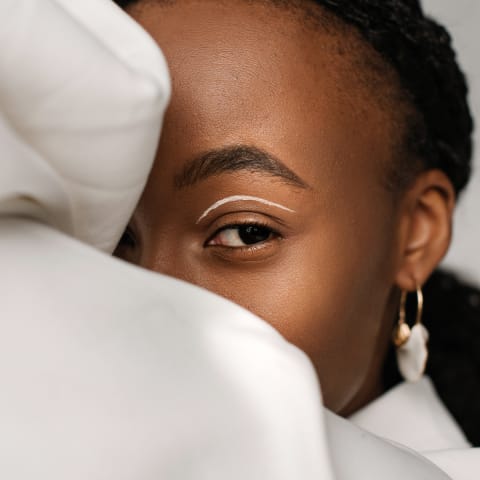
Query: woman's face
[{"x": 268, "y": 187}]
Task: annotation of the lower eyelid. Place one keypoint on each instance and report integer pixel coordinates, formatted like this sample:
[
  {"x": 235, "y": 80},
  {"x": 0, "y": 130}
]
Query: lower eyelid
[{"x": 251, "y": 253}]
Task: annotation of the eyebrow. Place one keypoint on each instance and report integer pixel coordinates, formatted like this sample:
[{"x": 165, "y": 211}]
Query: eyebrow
[{"x": 234, "y": 159}]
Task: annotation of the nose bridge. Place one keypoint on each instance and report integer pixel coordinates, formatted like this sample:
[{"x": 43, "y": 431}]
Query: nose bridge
[
  {"x": 159, "y": 256},
  {"x": 164, "y": 255}
]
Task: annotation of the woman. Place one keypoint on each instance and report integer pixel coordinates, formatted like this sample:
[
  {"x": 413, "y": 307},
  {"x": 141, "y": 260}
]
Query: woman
[{"x": 308, "y": 170}]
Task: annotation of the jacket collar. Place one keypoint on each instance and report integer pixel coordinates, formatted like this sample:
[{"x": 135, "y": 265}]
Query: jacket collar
[{"x": 413, "y": 415}]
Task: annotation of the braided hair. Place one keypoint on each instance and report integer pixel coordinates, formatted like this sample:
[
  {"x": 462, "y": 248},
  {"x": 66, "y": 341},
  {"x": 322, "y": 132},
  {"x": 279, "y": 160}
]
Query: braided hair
[{"x": 438, "y": 135}]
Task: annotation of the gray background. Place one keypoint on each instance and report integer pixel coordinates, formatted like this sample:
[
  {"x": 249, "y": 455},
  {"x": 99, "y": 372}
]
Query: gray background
[{"x": 462, "y": 17}]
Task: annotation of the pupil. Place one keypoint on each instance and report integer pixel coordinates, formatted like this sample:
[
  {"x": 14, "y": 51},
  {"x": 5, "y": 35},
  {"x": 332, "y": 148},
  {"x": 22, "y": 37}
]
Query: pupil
[{"x": 253, "y": 234}]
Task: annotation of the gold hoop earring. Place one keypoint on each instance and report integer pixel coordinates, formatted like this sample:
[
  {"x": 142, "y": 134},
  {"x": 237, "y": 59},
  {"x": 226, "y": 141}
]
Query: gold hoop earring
[
  {"x": 411, "y": 342},
  {"x": 403, "y": 331}
]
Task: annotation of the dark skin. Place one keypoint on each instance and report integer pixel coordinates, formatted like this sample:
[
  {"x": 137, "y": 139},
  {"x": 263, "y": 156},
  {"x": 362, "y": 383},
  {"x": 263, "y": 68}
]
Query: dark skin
[{"x": 316, "y": 244}]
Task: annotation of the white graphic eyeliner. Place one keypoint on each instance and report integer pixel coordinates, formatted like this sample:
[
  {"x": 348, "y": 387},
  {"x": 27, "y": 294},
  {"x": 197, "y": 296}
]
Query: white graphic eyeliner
[{"x": 240, "y": 198}]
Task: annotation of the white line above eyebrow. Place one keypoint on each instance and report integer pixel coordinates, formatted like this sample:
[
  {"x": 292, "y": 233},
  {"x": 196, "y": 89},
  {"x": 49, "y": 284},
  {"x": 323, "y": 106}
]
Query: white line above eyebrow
[{"x": 240, "y": 198}]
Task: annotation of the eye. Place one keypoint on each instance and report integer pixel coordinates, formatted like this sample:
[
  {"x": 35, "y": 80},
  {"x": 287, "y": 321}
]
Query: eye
[
  {"x": 238, "y": 236},
  {"x": 127, "y": 246},
  {"x": 128, "y": 239}
]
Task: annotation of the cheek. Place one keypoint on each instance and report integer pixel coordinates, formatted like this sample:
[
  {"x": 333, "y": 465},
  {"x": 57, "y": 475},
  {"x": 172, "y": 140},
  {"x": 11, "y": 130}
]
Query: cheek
[
  {"x": 326, "y": 295},
  {"x": 338, "y": 318}
]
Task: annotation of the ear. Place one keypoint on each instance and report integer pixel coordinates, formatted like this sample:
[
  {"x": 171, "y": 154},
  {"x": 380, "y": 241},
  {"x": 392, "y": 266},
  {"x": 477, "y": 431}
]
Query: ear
[{"x": 426, "y": 213}]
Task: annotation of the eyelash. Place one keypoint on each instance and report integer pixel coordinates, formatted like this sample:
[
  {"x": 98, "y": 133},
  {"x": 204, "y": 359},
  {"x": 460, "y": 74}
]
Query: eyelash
[
  {"x": 273, "y": 235},
  {"x": 129, "y": 241}
]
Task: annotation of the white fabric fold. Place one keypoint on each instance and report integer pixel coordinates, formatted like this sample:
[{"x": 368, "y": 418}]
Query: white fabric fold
[
  {"x": 85, "y": 89},
  {"x": 461, "y": 464}
]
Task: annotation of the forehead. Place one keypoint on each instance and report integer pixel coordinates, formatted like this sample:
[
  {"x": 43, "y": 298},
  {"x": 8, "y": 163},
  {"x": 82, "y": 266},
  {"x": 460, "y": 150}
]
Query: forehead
[
  {"x": 248, "y": 73},
  {"x": 238, "y": 41}
]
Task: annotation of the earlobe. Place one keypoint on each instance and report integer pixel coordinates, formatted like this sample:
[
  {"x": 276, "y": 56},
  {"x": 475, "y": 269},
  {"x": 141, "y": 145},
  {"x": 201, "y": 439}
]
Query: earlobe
[{"x": 426, "y": 220}]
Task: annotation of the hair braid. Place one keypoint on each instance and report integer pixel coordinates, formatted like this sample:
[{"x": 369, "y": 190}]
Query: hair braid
[{"x": 421, "y": 53}]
